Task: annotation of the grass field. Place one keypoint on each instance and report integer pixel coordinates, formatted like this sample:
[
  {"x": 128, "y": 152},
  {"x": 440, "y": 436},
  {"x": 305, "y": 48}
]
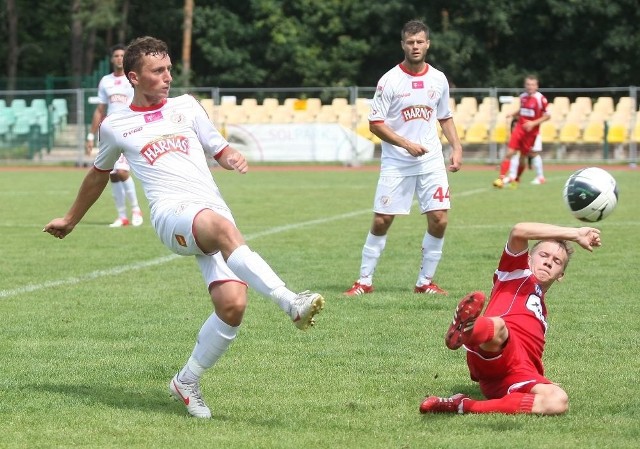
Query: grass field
[{"x": 94, "y": 326}]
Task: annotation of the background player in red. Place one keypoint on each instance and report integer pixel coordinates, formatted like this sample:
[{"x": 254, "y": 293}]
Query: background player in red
[
  {"x": 533, "y": 111},
  {"x": 505, "y": 345}
]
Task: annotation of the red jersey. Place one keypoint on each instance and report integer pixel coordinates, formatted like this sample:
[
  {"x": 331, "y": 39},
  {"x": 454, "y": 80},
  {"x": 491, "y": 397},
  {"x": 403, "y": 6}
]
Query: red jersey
[
  {"x": 518, "y": 299},
  {"x": 532, "y": 107}
]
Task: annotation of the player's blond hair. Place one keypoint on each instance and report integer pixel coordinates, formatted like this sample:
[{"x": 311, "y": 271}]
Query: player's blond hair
[{"x": 564, "y": 244}]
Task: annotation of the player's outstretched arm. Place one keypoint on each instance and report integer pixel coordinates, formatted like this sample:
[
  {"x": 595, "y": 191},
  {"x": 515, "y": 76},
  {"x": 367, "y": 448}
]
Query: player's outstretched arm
[
  {"x": 521, "y": 233},
  {"x": 92, "y": 186},
  {"x": 232, "y": 159}
]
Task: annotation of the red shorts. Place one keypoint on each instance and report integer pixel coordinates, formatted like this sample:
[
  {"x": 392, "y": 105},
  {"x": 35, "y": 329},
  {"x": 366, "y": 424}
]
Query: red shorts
[
  {"x": 522, "y": 140},
  {"x": 507, "y": 372}
]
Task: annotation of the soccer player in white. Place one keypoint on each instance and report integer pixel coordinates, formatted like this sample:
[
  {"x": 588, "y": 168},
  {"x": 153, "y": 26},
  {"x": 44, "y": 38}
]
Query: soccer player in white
[
  {"x": 115, "y": 92},
  {"x": 167, "y": 142},
  {"x": 409, "y": 99}
]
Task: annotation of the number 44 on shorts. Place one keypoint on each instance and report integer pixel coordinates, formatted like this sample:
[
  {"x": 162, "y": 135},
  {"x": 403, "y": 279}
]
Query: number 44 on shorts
[{"x": 441, "y": 195}]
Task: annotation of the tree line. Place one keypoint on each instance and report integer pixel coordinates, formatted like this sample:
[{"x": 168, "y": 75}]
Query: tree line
[{"x": 308, "y": 43}]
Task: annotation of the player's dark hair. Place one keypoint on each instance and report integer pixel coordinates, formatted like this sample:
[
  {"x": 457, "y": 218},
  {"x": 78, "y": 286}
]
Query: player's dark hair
[
  {"x": 413, "y": 27},
  {"x": 564, "y": 244},
  {"x": 116, "y": 47},
  {"x": 142, "y": 46}
]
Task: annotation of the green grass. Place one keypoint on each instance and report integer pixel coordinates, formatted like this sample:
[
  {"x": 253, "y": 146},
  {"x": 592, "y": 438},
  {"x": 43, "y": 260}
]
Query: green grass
[{"x": 94, "y": 326}]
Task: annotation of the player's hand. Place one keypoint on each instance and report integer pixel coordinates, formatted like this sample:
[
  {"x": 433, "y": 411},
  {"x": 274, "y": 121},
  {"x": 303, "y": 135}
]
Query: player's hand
[
  {"x": 416, "y": 150},
  {"x": 58, "y": 228},
  {"x": 455, "y": 160},
  {"x": 588, "y": 238},
  {"x": 528, "y": 126},
  {"x": 238, "y": 162},
  {"x": 88, "y": 147}
]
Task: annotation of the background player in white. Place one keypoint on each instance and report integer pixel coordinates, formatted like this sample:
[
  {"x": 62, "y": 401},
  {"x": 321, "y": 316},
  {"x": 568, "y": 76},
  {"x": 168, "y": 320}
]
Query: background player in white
[
  {"x": 408, "y": 100},
  {"x": 167, "y": 142},
  {"x": 115, "y": 92}
]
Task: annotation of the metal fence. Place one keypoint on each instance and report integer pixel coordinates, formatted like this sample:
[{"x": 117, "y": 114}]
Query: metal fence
[{"x": 49, "y": 126}]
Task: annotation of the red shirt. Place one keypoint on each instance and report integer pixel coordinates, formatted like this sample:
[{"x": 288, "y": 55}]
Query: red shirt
[
  {"x": 532, "y": 107},
  {"x": 518, "y": 299}
]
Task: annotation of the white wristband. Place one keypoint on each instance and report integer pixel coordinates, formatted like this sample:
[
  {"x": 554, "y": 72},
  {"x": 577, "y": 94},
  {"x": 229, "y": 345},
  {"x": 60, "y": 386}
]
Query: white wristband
[{"x": 91, "y": 137}]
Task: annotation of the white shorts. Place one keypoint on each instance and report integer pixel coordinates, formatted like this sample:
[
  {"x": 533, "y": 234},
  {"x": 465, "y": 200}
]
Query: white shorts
[
  {"x": 174, "y": 226},
  {"x": 537, "y": 145},
  {"x": 121, "y": 164},
  {"x": 394, "y": 194}
]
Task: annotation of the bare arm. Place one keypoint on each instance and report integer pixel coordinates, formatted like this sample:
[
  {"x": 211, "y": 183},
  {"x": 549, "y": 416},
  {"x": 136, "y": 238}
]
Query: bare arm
[
  {"x": 521, "y": 233},
  {"x": 449, "y": 130},
  {"x": 90, "y": 190},
  {"x": 528, "y": 126},
  {"x": 98, "y": 115},
  {"x": 384, "y": 132},
  {"x": 232, "y": 159}
]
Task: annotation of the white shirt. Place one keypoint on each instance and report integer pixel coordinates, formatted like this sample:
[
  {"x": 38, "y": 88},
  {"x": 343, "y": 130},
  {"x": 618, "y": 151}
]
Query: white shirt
[
  {"x": 167, "y": 148},
  {"x": 115, "y": 91},
  {"x": 410, "y": 104}
]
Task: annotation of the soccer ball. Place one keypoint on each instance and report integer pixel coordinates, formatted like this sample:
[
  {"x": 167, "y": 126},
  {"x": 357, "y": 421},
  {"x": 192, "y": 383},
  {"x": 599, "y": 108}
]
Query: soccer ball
[{"x": 591, "y": 194}]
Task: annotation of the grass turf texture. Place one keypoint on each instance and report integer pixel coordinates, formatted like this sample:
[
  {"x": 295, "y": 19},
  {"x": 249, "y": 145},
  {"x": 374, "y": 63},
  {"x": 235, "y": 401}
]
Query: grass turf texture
[{"x": 94, "y": 326}]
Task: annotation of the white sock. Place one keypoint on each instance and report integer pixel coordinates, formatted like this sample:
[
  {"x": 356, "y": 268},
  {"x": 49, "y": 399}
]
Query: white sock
[
  {"x": 431, "y": 255},
  {"x": 117, "y": 190},
  {"x": 130, "y": 191},
  {"x": 252, "y": 269},
  {"x": 536, "y": 161},
  {"x": 371, "y": 252},
  {"x": 513, "y": 167},
  {"x": 213, "y": 340}
]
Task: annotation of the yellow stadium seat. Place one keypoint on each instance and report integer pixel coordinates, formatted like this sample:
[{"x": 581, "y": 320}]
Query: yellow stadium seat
[
  {"x": 570, "y": 133},
  {"x": 469, "y": 104},
  {"x": 617, "y": 133},
  {"x": 636, "y": 132},
  {"x": 500, "y": 132},
  {"x": 593, "y": 132},
  {"x": 604, "y": 105},
  {"x": 625, "y": 105},
  {"x": 313, "y": 105},
  {"x": 249, "y": 102},
  {"x": 477, "y": 132},
  {"x": 561, "y": 105},
  {"x": 548, "y": 132},
  {"x": 583, "y": 104},
  {"x": 270, "y": 103}
]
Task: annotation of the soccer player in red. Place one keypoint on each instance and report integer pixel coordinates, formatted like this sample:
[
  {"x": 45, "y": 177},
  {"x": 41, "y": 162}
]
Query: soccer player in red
[
  {"x": 533, "y": 111},
  {"x": 505, "y": 344}
]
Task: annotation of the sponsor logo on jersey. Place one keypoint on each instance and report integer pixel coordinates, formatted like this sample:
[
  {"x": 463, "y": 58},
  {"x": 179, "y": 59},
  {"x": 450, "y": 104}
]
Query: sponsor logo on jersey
[
  {"x": 417, "y": 84},
  {"x": 152, "y": 117},
  {"x": 164, "y": 145},
  {"x": 132, "y": 131},
  {"x": 418, "y": 111},
  {"x": 118, "y": 98},
  {"x": 405, "y": 94}
]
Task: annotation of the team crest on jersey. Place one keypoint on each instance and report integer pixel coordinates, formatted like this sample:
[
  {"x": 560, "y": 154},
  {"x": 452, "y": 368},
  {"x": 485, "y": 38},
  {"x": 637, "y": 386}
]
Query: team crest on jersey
[
  {"x": 177, "y": 118},
  {"x": 164, "y": 145},
  {"x": 432, "y": 94},
  {"x": 419, "y": 111}
]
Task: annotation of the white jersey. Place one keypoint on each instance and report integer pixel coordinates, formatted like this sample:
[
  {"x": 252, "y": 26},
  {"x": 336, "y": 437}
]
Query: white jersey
[
  {"x": 115, "y": 91},
  {"x": 410, "y": 104},
  {"x": 167, "y": 147}
]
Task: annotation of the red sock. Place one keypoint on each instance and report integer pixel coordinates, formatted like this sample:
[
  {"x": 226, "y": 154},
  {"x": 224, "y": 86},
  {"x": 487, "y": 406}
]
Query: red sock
[
  {"x": 510, "y": 404},
  {"x": 481, "y": 332},
  {"x": 521, "y": 168},
  {"x": 504, "y": 167}
]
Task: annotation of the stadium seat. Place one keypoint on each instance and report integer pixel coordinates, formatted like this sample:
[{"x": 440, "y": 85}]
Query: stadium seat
[
  {"x": 339, "y": 103},
  {"x": 583, "y": 104},
  {"x": 39, "y": 104},
  {"x": 500, "y": 132},
  {"x": 548, "y": 132},
  {"x": 258, "y": 114},
  {"x": 270, "y": 103},
  {"x": 469, "y": 104},
  {"x": 570, "y": 133},
  {"x": 18, "y": 104},
  {"x": 561, "y": 105},
  {"x": 617, "y": 133},
  {"x": 314, "y": 105},
  {"x": 282, "y": 114},
  {"x": 593, "y": 132},
  {"x": 326, "y": 115},
  {"x": 249, "y": 102},
  {"x": 604, "y": 105},
  {"x": 477, "y": 132},
  {"x": 625, "y": 105},
  {"x": 636, "y": 132},
  {"x": 303, "y": 117}
]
